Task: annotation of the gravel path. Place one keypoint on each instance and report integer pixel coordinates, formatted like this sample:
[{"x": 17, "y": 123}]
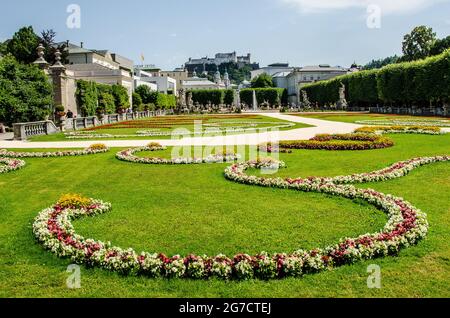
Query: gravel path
[{"x": 320, "y": 127}]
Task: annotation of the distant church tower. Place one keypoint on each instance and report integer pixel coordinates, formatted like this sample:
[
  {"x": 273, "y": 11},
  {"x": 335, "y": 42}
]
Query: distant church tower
[
  {"x": 218, "y": 77},
  {"x": 226, "y": 79}
]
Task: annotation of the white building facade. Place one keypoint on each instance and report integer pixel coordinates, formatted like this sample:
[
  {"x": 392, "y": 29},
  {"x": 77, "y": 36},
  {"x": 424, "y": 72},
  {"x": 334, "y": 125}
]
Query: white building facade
[
  {"x": 161, "y": 83},
  {"x": 272, "y": 69},
  {"x": 298, "y": 77}
]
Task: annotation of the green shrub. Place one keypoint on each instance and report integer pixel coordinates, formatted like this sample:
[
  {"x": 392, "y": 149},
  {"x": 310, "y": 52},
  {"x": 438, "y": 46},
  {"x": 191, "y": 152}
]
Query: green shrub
[
  {"x": 106, "y": 101},
  {"x": 137, "y": 102},
  {"x": 121, "y": 98},
  {"x": 94, "y": 98},
  {"x": 87, "y": 97}
]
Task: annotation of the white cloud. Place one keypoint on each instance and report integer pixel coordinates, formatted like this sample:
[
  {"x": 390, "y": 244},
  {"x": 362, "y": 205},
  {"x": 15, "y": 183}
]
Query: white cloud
[{"x": 387, "y": 6}]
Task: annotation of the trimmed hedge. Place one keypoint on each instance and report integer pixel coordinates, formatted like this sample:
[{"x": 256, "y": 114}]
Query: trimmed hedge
[
  {"x": 214, "y": 97},
  {"x": 273, "y": 96},
  {"x": 404, "y": 84}
]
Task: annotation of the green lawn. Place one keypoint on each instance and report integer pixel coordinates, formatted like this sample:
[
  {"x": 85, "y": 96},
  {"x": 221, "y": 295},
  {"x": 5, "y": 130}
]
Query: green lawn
[
  {"x": 193, "y": 209},
  {"x": 354, "y": 117},
  {"x": 225, "y": 120}
]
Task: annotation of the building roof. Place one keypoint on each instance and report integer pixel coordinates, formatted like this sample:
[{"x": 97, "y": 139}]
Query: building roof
[
  {"x": 198, "y": 82},
  {"x": 281, "y": 74},
  {"x": 278, "y": 65},
  {"x": 87, "y": 67},
  {"x": 322, "y": 67}
]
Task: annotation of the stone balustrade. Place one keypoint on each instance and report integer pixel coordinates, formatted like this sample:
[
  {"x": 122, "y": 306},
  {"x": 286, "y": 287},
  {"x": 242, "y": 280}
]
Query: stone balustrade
[{"x": 23, "y": 131}]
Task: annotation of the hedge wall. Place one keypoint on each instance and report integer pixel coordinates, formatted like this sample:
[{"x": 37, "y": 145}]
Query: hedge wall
[
  {"x": 94, "y": 98},
  {"x": 208, "y": 96},
  {"x": 403, "y": 84},
  {"x": 273, "y": 96}
]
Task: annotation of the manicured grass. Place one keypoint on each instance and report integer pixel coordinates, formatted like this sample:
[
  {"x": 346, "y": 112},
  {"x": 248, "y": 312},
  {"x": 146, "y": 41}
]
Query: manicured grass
[
  {"x": 169, "y": 124},
  {"x": 193, "y": 209},
  {"x": 354, "y": 117}
]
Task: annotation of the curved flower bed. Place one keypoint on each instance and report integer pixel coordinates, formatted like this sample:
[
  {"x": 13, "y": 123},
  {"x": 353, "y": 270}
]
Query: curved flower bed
[
  {"x": 356, "y": 141},
  {"x": 93, "y": 149},
  {"x": 237, "y": 173},
  {"x": 401, "y": 130},
  {"x": 406, "y": 226},
  {"x": 7, "y": 165},
  {"x": 129, "y": 156},
  {"x": 211, "y": 128},
  {"x": 410, "y": 123}
]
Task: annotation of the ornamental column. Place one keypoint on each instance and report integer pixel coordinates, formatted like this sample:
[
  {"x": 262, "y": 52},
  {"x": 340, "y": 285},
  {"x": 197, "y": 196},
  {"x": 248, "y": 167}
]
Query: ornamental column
[{"x": 41, "y": 62}]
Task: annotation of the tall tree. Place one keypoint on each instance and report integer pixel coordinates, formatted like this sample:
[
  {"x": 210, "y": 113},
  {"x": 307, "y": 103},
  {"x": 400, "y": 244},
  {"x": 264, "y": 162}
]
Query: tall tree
[
  {"x": 25, "y": 92},
  {"x": 417, "y": 44},
  {"x": 440, "y": 46},
  {"x": 23, "y": 45},
  {"x": 262, "y": 81},
  {"x": 48, "y": 39},
  {"x": 381, "y": 62},
  {"x": 4, "y": 48}
]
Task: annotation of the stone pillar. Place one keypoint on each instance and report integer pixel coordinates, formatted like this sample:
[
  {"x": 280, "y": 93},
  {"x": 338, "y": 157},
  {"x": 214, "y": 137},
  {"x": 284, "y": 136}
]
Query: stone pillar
[{"x": 58, "y": 72}]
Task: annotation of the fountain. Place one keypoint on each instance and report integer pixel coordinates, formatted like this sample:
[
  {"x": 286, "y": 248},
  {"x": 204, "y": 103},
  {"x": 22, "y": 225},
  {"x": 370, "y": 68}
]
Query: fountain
[{"x": 255, "y": 101}]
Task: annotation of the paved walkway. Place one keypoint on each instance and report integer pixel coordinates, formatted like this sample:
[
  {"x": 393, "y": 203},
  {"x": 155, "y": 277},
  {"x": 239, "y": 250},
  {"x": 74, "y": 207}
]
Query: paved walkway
[
  {"x": 320, "y": 127},
  {"x": 7, "y": 136}
]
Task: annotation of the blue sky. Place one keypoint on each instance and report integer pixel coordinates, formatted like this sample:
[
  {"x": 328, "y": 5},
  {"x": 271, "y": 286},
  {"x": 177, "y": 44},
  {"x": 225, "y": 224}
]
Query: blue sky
[{"x": 301, "y": 32}]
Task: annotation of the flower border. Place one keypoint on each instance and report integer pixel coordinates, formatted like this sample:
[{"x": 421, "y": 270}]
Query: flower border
[
  {"x": 353, "y": 141},
  {"x": 8, "y": 165},
  {"x": 406, "y": 226},
  {"x": 128, "y": 156},
  {"x": 88, "y": 151},
  {"x": 421, "y": 130},
  {"x": 411, "y": 123},
  {"x": 154, "y": 133}
]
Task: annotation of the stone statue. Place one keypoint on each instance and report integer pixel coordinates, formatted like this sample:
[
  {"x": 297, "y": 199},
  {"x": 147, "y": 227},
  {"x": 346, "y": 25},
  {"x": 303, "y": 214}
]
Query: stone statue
[
  {"x": 182, "y": 97},
  {"x": 189, "y": 99},
  {"x": 342, "y": 103},
  {"x": 305, "y": 100}
]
